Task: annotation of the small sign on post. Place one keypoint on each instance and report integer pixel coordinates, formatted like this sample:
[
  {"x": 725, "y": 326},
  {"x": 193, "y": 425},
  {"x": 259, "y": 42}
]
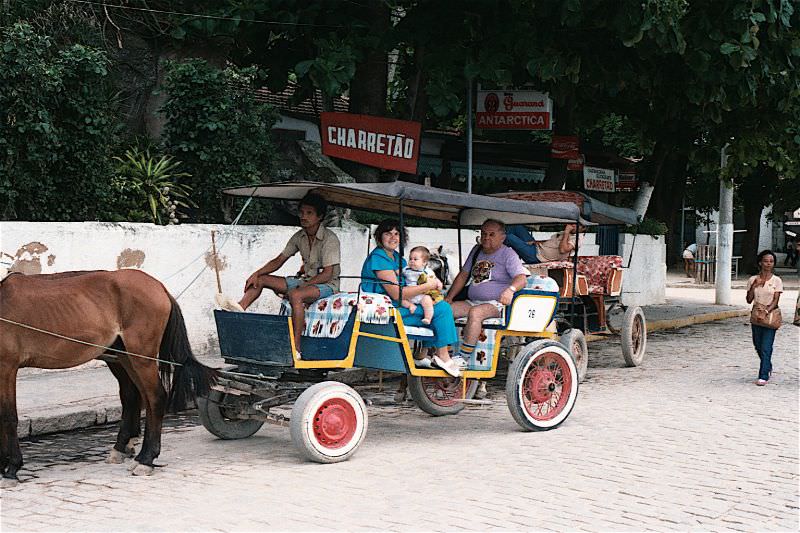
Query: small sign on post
[{"x": 598, "y": 179}]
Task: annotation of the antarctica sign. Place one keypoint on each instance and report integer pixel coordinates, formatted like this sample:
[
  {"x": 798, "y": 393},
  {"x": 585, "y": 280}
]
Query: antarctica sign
[
  {"x": 514, "y": 110},
  {"x": 375, "y": 141}
]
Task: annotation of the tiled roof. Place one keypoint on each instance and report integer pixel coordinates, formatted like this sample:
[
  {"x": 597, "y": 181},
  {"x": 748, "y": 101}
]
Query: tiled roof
[{"x": 309, "y": 108}]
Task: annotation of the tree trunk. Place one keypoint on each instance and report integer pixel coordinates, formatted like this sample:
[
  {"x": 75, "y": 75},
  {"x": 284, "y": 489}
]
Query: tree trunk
[
  {"x": 668, "y": 195},
  {"x": 753, "y": 206},
  {"x": 368, "y": 90},
  {"x": 563, "y": 124}
]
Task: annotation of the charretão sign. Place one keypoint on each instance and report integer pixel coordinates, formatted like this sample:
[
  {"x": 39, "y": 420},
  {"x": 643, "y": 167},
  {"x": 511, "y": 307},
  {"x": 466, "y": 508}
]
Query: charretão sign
[
  {"x": 598, "y": 179},
  {"x": 514, "y": 110},
  {"x": 375, "y": 141}
]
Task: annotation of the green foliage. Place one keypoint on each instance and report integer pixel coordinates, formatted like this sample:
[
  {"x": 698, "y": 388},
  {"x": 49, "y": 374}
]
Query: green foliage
[
  {"x": 648, "y": 226},
  {"x": 150, "y": 187},
  {"x": 57, "y": 128},
  {"x": 217, "y": 129}
]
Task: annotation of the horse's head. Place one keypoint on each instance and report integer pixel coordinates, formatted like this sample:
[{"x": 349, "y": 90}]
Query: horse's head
[{"x": 440, "y": 266}]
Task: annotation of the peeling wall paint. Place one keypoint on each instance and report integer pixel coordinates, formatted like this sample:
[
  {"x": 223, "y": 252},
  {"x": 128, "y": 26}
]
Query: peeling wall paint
[{"x": 129, "y": 258}]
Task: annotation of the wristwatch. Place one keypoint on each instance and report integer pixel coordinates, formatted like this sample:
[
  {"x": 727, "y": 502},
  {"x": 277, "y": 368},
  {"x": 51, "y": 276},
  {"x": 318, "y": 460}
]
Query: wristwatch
[{"x": 512, "y": 288}]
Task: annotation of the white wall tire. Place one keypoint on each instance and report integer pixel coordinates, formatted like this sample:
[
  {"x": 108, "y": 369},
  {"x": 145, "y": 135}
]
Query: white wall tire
[
  {"x": 542, "y": 386},
  {"x": 634, "y": 336},
  {"x": 329, "y": 422}
]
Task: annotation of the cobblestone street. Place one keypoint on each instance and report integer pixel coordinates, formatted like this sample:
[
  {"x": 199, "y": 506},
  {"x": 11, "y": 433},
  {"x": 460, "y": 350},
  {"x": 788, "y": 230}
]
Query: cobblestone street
[{"x": 685, "y": 441}]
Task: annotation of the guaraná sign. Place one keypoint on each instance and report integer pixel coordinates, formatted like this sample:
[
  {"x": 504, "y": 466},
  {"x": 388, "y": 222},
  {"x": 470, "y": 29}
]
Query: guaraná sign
[
  {"x": 598, "y": 179},
  {"x": 513, "y": 110},
  {"x": 375, "y": 141}
]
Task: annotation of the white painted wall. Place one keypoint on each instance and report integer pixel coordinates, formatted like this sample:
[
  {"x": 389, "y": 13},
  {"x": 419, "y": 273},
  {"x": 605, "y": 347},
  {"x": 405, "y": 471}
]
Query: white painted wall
[
  {"x": 765, "y": 235},
  {"x": 177, "y": 255},
  {"x": 295, "y": 124}
]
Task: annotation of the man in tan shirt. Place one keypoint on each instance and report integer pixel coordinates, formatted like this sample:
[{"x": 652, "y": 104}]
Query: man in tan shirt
[{"x": 319, "y": 278}]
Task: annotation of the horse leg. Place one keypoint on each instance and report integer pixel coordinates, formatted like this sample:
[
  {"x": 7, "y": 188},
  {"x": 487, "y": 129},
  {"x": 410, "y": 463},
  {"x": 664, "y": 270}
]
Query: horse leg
[
  {"x": 130, "y": 425},
  {"x": 10, "y": 454},
  {"x": 145, "y": 375}
]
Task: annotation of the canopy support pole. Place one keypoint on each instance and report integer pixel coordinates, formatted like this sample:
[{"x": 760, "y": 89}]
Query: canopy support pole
[
  {"x": 402, "y": 253},
  {"x": 469, "y": 135}
]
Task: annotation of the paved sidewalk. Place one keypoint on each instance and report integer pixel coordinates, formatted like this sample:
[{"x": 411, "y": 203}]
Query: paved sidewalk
[{"x": 50, "y": 401}]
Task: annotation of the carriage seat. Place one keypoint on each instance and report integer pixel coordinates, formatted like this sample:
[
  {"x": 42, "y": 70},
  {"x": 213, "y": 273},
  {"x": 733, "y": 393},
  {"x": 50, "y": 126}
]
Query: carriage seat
[
  {"x": 603, "y": 272},
  {"x": 327, "y": 317},
  {"x": 597, "y": 274}
]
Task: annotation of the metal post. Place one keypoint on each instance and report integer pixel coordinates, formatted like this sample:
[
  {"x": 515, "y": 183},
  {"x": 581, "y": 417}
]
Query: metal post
[
  {"x": 722, "y": 284},
  {"x": 469, "y": 135},
  {"x": 683, "y": 225},
  {"x": 402, "y": 254}
]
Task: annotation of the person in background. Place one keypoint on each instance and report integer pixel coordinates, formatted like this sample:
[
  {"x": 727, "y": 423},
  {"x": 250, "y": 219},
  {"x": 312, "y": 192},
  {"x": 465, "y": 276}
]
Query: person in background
[
  {"x": 558, "y": 247},
  {"x": 791, "y": 253},
  {"x": 688, "y": 259},
  {"x": 522, "y": 241},
  {"x": 764, "y": 289}
]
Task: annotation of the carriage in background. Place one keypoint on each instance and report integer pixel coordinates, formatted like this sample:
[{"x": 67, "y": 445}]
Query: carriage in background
[
  {"x": 590, "y": 287},
  {"x": 329, "y": 419}
]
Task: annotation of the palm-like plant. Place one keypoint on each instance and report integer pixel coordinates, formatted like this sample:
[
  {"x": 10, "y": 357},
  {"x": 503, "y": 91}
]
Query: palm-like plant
[{"x": 153, "y": 183}]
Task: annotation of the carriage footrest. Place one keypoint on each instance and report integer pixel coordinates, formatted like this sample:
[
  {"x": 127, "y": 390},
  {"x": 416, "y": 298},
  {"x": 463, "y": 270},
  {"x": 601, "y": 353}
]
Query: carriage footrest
[{"x": 419, "y": 331}]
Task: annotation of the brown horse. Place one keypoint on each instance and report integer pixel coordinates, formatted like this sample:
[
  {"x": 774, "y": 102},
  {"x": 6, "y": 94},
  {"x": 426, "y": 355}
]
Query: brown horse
[{"x": 124, "y": 310}]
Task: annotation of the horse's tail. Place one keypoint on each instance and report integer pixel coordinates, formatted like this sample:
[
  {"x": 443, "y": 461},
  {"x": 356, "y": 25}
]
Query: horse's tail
[{"x": 192, "y": 378}]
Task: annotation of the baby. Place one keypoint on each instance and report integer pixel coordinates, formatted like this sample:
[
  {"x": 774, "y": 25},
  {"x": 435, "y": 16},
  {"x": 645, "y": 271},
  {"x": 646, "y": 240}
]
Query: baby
[{"x": 417, "y": 273}]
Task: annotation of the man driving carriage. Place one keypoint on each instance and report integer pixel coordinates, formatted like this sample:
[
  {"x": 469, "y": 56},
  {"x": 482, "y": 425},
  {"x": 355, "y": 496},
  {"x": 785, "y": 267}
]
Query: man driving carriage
[{"x": 319, "y": 278}]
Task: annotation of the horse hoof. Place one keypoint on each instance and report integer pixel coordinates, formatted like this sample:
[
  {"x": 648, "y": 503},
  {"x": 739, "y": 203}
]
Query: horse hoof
[
  {"x": 142, "y": 470},
  {"x": 115, "y": 457},
  {"x": 8, "y": 483}
]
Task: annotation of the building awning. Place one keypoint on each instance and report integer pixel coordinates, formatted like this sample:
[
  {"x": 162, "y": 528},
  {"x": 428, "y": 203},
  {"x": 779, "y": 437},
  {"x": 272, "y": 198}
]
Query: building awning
[{"x": 433, "y": 165}]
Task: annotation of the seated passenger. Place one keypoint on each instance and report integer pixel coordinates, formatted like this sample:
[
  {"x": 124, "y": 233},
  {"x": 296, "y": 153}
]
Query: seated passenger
[
  {"x": 495, "y": 273},
  {"x": 384, "y": 264},
  {"x": 557, "y": 248},
  {"x": 320, "y": 251},
  {"x": 417, "y": 273},
  {"x": 521, "y": 241}
]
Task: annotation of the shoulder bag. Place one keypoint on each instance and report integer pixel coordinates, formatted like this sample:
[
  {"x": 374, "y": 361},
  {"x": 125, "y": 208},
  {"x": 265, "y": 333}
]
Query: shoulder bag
[{"x": 759, "y": 316}]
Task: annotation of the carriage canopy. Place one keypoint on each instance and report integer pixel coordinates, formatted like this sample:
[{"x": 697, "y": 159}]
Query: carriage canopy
[{"x": 458, "y": 208}]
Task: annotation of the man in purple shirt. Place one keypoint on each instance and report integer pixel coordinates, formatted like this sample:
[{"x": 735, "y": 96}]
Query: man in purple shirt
[{"x": 495, "y": 273}]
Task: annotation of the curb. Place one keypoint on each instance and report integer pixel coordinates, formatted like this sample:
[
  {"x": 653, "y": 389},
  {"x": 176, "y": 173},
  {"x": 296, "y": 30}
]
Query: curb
[{"x": 677, "y": 323}]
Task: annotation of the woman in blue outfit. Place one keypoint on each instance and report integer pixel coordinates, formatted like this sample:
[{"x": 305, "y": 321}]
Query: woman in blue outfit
[{"x": 384, "y": 263}]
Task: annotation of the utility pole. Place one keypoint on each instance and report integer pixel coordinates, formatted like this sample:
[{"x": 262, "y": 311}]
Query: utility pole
[{"x": 722, "y": 283}]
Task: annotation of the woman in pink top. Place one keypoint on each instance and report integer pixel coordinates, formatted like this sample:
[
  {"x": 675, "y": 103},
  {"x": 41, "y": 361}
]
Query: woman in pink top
[{"x": 765, "y": 289}]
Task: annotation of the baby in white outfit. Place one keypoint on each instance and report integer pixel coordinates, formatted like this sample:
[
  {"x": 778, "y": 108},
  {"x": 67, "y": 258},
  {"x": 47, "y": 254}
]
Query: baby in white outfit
[{"x": 417, "y": 273}]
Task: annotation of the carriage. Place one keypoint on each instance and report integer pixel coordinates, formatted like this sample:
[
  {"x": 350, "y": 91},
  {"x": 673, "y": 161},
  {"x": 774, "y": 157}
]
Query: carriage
[
  {"x": 590, "y": 287},
  {"x": 329, "y": 419}
]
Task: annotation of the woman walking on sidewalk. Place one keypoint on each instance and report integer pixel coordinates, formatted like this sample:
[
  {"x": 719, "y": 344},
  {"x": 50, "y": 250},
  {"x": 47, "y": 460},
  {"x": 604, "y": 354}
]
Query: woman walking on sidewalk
[{"x": 764, "y": 291}]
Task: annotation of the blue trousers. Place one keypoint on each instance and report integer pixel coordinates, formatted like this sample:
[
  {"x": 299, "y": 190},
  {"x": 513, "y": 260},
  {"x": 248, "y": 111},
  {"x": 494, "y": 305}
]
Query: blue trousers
[
  {"x": 442, "y": 324},
  {"x": 517, "y": 238},
  {"x": 763, "y": 338}
]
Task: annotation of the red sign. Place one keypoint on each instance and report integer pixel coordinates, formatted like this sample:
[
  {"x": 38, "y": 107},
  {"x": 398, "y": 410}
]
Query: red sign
[
  {"x": 564, "y": 147},
  {"x": 576, "y": 164},
  {"x": 513, "y": 110},
  {"x": 375, "y": 141},
  {"x": 627, "y": 181}
]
